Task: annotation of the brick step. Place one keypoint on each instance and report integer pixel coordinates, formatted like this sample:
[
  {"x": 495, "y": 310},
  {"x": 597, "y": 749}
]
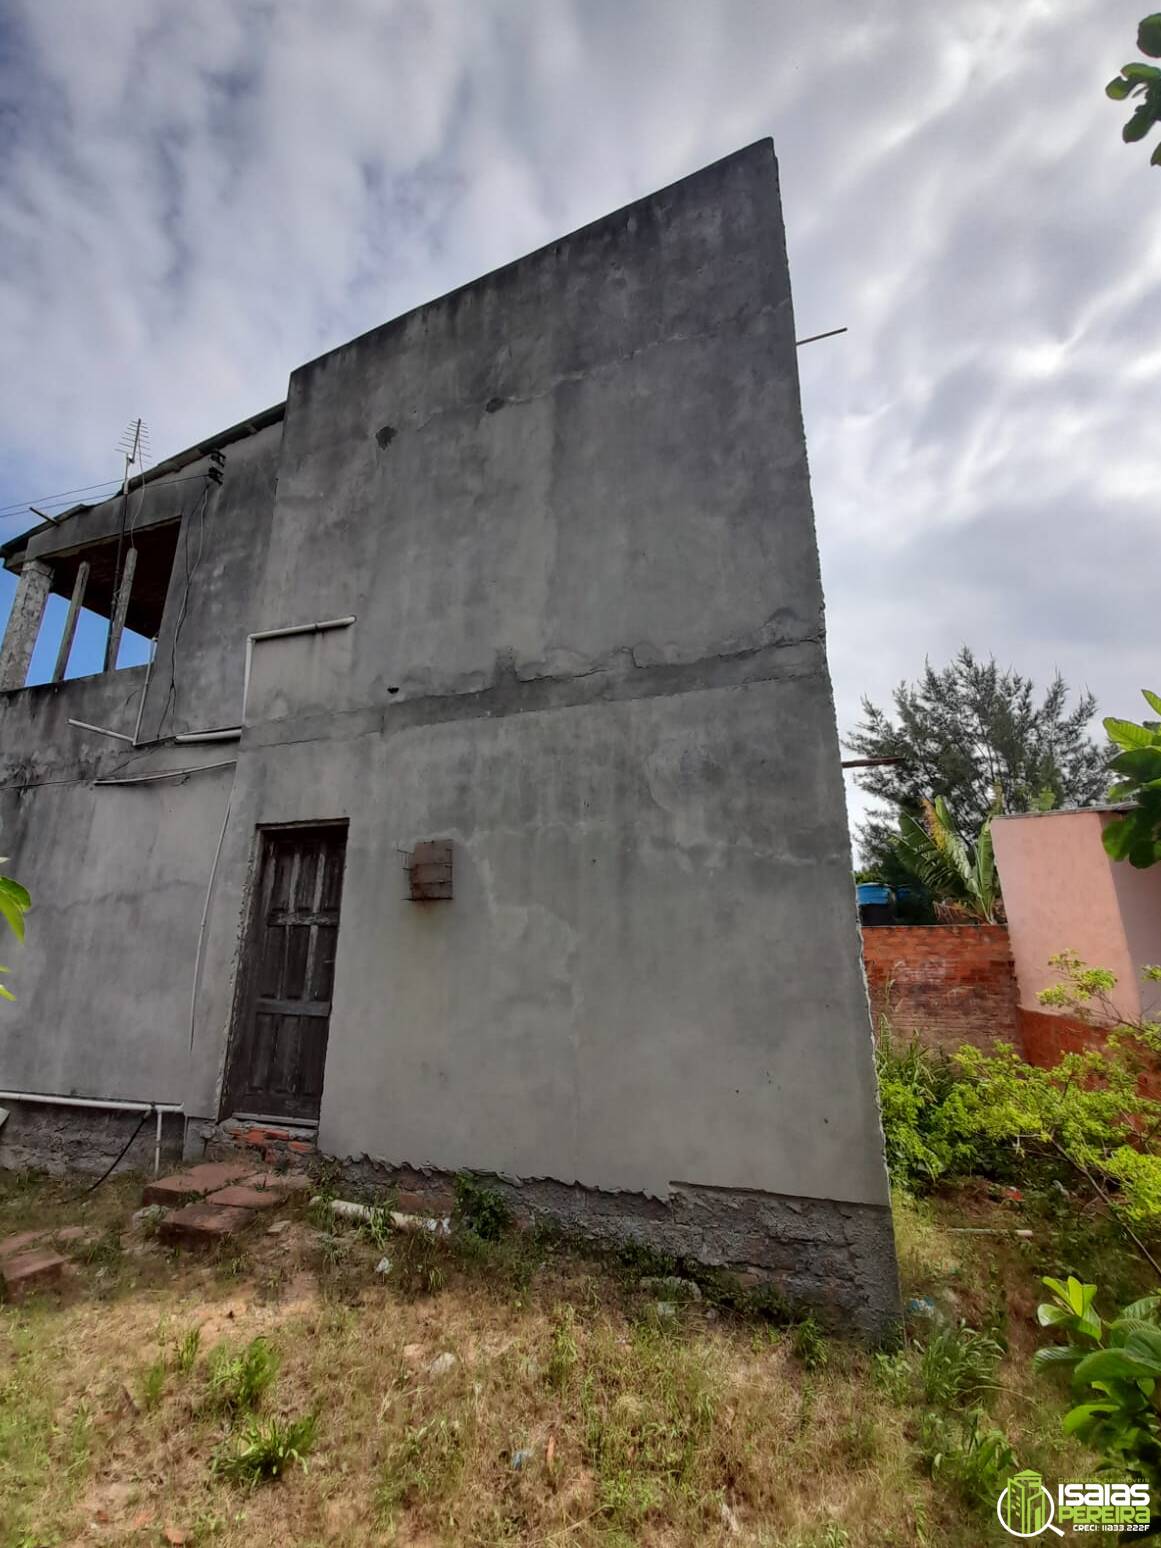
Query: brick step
[
  {"x": 208, "y": 1179},
  {"x": 215, "y": 1200},
  {"x": 44, "y": 1237},
  {"x": 25, "y": 1272},
  {"x": 185, "y": 1187},
  {"x": 201, "y": 1225}
]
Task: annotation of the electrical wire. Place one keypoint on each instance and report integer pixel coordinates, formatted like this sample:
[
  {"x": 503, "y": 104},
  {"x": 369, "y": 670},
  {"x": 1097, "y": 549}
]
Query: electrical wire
[
  {"x": 9, "y": 512},
  {"x": 54, "y": 499},
  {"x": 92, "y": 1188}
]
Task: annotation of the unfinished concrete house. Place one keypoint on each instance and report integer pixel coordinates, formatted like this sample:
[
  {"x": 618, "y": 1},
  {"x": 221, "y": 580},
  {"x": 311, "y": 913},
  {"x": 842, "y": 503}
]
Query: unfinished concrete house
[{"x": 480, "y": 807}]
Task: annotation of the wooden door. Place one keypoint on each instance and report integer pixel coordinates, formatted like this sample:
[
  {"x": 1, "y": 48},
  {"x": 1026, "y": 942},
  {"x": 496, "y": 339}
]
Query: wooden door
[{"x": 281, "y": 1038}]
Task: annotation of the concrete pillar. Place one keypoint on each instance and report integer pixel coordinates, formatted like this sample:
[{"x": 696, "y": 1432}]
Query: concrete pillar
[
  {"x": 24, "y": 623},
  {"x": 120, "y": 608},
  {"x": 70, "y": 628}
]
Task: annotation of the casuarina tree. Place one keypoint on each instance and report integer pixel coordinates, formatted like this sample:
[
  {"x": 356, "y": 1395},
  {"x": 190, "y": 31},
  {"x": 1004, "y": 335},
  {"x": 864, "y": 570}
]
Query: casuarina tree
[{"x": 975, "y": 735}]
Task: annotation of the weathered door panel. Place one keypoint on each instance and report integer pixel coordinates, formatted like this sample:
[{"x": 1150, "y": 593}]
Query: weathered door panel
[{"x": 280, "y": 1040}]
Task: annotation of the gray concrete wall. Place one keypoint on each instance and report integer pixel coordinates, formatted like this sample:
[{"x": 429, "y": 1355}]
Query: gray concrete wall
[
  {"x": 198, "y": 685},
  {"x": 569, "y": 506},
  {"x": 648, "y": 973},
  {"x": 594, "y": 455},
  {"x": 118, "y": 878}
]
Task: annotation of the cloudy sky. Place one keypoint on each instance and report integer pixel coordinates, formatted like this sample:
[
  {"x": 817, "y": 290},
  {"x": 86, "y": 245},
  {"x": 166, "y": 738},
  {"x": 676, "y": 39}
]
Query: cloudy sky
[{"x": 195, "y": 197}]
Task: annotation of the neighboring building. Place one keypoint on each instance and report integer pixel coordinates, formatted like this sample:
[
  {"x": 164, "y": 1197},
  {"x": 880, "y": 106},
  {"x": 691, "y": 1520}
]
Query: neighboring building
[
  {"x": 482, "y": 803},
  {"x": 1063, "y": 893}
]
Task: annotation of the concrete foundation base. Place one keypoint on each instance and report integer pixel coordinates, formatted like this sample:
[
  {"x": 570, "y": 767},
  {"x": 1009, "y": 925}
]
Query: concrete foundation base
[
  {"x": 836, "y": 1259},
  {"x": 40, "y": 1137}
]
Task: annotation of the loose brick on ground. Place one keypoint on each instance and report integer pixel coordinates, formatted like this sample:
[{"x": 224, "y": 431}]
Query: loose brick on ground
[
  {"x": 199, "y": 1224},
  {"x": 280, "y": 1182},
  {"x": 196, "y": 1182},
  {"x": 239, "y": 1196},
  {"x": 21, "y": 1242},
  {"x": 30, "y": 1271}
]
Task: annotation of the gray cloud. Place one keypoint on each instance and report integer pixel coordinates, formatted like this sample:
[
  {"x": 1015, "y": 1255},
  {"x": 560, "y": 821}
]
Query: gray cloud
[{"x": 196, "y": 198}]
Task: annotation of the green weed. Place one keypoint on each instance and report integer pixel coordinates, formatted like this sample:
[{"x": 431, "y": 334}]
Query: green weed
[
  {"x": 237, "y": 1383},
  {"x": 957, "y": 1366},
  {"x": 266, "y": 1448}
]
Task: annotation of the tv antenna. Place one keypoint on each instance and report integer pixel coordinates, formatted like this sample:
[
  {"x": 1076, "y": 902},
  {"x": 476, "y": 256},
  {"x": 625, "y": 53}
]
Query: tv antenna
[{"x": 134, "y": 447}]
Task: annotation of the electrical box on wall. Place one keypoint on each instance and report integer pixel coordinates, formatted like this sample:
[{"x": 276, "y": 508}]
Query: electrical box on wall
[{"x": 429, "y": 871}]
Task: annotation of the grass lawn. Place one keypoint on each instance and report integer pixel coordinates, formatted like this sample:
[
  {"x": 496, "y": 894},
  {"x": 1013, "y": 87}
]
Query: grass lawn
[{"x": 135, "y": 1408}]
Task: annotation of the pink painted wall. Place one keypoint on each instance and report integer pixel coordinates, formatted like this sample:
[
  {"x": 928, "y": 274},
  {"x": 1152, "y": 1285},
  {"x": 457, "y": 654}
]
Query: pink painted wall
[{"x": 1062, "y": 892}]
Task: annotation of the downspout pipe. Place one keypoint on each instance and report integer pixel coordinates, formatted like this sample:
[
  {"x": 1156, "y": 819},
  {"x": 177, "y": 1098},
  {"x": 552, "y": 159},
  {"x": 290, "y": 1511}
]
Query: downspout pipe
[{"x": 103, "y": 1104}]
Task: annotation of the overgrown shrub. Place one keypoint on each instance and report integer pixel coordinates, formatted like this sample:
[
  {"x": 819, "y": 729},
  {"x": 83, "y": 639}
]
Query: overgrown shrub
[
  {"x": 995, "y": 1115},
  {"x": 481, "y": 1209}
]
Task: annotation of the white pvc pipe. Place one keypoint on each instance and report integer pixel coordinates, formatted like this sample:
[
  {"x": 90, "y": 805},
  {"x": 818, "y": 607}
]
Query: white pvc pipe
[
  {"x": 228, "y": 734},
  {"x": 115, "y": 1104},
  {"x": 310, "y": 628},
  {"x": 100, "y": 730}
]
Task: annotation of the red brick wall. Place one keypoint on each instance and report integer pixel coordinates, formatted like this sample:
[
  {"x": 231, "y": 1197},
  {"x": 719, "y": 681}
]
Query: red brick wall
[
  {"x": 1048, "y": 1035},
  {"x": 947, "y": 984}
]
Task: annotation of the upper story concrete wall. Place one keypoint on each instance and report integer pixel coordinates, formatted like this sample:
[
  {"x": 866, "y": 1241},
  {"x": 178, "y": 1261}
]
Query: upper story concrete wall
[{"x": 590, "y": 460}]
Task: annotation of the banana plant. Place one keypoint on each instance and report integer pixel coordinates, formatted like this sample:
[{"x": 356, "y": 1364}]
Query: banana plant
[
  {"x": 952, "y": 870},
  {"x": 14, "y": 904},
  {"x": 1143, "y": 81},
  {"x": 1136, "y": 837},
  {"x": 1120, "y": 1365}
]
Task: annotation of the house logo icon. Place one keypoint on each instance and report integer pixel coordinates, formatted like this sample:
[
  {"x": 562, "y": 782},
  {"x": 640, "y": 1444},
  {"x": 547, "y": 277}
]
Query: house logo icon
[{"x": 1025, "y": 1508}]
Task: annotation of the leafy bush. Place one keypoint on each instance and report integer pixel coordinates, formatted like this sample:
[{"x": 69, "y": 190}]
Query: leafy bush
[
  {"x": 993, "y": 1115},
  {"x": 1140, "y": 79},
  {"x": 266, "y": 1448},
  {"x": 920, "y": 1097},
  {"x": 1115, "y": 1367},
  {"x": 1136, "y": 837},
  {"x": 481, "y": 1209},
  {"x": 14, "y": 904}
]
